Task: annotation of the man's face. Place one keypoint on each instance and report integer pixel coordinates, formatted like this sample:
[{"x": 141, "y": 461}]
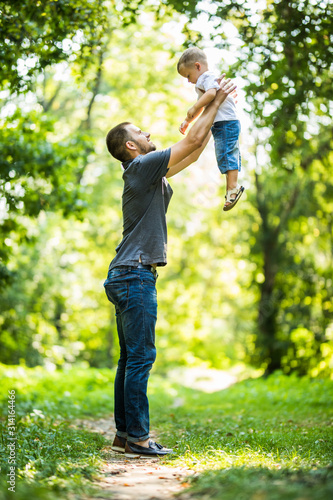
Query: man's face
[{"x": 141, "y": 139}]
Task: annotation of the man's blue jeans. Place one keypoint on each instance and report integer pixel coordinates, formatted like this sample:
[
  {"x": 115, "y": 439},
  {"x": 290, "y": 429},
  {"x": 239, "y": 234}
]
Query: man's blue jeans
[{"x": 133, "y": 292}]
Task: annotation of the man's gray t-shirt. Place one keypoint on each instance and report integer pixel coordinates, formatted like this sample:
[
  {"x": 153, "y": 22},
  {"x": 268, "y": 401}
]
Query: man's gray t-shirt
[{"x": 145, "y": 201}]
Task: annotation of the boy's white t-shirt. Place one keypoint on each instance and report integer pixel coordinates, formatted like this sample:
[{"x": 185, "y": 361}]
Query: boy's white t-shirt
[{"x": 227, "y": 110}]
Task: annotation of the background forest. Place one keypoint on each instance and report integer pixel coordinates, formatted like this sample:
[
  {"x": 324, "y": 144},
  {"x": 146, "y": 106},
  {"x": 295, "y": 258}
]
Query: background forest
[{"x": 251, "y": 286}]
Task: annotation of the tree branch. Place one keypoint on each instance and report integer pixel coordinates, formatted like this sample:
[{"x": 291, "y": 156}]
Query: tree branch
[
  {"x": 87, "y": 122},
  {"x": 46, "y": 105}
]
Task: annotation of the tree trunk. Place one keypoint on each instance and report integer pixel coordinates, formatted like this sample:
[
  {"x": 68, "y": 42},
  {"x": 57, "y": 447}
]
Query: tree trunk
[{"x": 268, "y": 308}]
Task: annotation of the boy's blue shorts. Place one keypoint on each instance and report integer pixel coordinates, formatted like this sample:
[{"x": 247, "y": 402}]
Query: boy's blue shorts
[{"x": 226, "y": 137}]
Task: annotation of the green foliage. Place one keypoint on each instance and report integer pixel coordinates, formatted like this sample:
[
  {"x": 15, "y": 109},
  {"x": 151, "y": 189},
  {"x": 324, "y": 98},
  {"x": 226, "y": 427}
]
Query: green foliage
[
  {"x": 64, "y": 314},
  {"x": 286, "y": 48},
  {"x": 254, "y": 286},
  {"x": 34, "y": 35},
  {"x": 40, "y": 170},
  {"x": 61, "y": 394},
  {"x": 285, "y": 58}
]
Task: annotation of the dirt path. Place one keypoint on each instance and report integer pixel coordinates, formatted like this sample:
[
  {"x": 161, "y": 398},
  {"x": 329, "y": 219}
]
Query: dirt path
[
  {"x": 140, "y": 479},
  {"x": 129, "y": 479}
]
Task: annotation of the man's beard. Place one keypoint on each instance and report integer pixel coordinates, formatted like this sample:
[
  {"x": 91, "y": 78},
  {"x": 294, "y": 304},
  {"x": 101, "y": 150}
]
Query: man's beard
[{"x": 145, "y": 148}]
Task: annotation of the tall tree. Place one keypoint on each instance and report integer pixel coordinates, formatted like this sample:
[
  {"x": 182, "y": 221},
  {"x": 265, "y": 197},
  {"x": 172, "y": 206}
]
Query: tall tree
[
  {"x": 287, "y": 46},
  {"x": 40, "y": 169}
]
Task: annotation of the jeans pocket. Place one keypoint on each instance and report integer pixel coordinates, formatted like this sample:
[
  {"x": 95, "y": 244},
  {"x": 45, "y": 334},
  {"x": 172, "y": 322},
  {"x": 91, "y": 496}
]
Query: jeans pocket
[{"x": 118, "y": 294}]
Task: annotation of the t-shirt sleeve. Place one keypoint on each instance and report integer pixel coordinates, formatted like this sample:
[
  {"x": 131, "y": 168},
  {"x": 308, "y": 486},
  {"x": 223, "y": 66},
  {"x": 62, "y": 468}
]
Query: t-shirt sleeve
[
  {"x": 154, "y": 165},
  {"x": 206, "y": 82}
]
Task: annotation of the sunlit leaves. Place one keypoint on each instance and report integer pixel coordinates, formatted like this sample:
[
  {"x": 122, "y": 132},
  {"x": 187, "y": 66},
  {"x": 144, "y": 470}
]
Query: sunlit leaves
[{"x": 34, "y": 35}]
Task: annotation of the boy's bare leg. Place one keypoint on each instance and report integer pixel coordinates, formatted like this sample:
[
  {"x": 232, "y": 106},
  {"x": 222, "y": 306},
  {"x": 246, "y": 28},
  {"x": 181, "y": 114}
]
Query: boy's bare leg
[
  {"x": 232, "y": 185},
  {"x": 232, "y": 178}
]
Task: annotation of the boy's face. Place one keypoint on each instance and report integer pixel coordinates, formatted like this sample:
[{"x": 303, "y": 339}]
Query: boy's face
[{"x": 191, "y": 72}]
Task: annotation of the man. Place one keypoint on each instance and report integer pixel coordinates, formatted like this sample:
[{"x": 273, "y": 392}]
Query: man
[{"x": 131, "y": 281}]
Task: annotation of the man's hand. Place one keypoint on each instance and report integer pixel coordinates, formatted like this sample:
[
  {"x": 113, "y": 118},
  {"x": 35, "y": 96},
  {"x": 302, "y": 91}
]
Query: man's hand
[
  {"x": 220, "y": 78},
  {"x": 233, "y": 94},
  {"x": 183, "y": 127},
  {"x": 226, "y": 87}
]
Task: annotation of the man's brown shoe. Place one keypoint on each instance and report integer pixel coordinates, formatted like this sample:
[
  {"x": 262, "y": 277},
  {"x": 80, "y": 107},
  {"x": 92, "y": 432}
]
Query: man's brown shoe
[{"x": 119, "y": 444}]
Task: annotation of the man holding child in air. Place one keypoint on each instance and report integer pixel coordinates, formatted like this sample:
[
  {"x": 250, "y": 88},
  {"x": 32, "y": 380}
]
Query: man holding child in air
[{"x": 131, "y": 280}]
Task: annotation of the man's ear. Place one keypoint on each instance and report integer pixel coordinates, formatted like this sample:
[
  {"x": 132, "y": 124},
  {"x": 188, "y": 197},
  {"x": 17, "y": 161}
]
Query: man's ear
[
  {"x": 131, "y": 145},
  {"x": 198, "y": 66}
]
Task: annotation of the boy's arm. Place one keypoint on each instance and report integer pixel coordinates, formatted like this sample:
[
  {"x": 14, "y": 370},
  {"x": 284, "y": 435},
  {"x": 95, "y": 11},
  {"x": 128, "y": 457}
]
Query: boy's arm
[
  {"x": 197, "y": 108},
  {"x": 202, "y": 102}
]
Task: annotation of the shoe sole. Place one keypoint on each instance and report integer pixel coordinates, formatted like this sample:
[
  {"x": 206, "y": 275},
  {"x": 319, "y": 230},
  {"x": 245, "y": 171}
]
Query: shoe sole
[
  {"x": 147, "y": 457},
  {"x": 117, "y": 448}
]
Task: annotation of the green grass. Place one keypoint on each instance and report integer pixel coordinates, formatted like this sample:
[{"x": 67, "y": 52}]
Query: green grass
[
  {"x": 260, "y": 439},
  {"x": 52, "y": 456}
]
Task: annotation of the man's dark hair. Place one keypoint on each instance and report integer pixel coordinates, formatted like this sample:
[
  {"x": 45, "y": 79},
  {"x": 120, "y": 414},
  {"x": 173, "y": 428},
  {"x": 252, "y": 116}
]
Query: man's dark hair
[{"x": 116, "y": 142}]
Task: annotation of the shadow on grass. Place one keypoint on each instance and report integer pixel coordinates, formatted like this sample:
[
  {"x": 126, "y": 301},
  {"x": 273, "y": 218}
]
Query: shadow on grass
[{"x": 262, "y": 484}]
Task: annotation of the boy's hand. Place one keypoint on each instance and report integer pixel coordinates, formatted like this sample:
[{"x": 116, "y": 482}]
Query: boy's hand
[
  {"x": 183, "y": 127},
  {"x": 190, "y": 113}
]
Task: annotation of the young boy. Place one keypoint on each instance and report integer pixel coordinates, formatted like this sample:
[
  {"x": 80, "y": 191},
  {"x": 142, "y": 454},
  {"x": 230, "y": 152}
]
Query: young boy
[{"x": 226, "y": 128}]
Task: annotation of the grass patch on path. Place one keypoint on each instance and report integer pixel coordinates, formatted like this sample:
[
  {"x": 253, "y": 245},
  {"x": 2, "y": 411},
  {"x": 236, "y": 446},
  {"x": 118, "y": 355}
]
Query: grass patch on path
[{"x": 259, "y": 439}]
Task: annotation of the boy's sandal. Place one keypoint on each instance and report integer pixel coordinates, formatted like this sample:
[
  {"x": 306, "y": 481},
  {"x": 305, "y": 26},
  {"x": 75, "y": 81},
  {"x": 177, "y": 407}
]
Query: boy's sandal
[{"x": 231, "y": 202}]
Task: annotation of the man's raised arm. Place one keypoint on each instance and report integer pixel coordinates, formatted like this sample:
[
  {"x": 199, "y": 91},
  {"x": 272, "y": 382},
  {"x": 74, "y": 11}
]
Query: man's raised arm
[{"x": 191, "y": 158}]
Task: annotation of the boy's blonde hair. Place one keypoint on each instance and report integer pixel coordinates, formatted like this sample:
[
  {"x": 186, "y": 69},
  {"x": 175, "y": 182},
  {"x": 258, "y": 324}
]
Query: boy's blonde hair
[{"x": 191, "y": 56}]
